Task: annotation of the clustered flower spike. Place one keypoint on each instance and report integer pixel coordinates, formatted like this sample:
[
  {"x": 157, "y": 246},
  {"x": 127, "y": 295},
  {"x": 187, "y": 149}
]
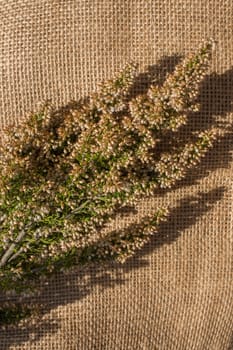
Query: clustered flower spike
[{"x": 66, "y": 172}]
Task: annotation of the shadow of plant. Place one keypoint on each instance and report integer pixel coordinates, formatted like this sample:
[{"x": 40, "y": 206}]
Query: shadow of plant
[
  {"x": 216, "y": 97},
  {"x": 155, "y": 73},
  {"x": 80, "y": 283},
  {"x": 186, "y": 214},
  {"x": 231, "y": 344}
]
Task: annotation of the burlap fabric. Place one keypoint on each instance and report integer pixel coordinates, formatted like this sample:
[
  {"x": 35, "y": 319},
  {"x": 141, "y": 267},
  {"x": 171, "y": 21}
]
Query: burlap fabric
[{"x": 177, "y": 292}]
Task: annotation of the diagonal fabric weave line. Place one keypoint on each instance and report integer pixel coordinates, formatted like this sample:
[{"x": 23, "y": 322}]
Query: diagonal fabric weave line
[{"x": 176, "y": 293}]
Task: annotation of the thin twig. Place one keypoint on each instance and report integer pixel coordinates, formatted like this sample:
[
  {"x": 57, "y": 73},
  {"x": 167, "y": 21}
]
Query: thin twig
[{"x": 10, "y": 250}]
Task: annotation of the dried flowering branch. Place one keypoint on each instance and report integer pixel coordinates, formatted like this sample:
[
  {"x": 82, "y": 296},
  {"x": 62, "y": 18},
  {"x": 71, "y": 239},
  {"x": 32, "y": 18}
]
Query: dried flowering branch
[{"x": 66, "y": 172}]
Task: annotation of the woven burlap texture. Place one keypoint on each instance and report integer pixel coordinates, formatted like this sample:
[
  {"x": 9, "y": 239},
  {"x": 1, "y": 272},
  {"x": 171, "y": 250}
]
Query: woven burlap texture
[{"x": 176, "y": 293}]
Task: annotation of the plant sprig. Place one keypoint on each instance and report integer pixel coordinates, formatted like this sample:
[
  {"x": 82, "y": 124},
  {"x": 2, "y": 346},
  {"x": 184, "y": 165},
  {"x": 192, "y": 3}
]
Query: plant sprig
[{"x": 66, "y": 172}]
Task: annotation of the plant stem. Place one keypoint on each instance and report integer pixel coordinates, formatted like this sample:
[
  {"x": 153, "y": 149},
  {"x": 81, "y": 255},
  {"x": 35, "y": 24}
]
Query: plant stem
[{"x": 10, "y": 250}]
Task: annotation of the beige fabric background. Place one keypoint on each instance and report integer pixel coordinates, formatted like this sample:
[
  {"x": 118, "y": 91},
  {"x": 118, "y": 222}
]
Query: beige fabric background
[{"x": 177, "y": 292}]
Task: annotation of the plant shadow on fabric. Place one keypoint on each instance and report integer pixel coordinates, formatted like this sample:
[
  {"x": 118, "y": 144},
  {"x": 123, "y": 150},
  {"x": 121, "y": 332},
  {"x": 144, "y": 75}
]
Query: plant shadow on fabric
[
  {"x": 231, "y": 344},
  {"x": 216, "y": 97}
]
